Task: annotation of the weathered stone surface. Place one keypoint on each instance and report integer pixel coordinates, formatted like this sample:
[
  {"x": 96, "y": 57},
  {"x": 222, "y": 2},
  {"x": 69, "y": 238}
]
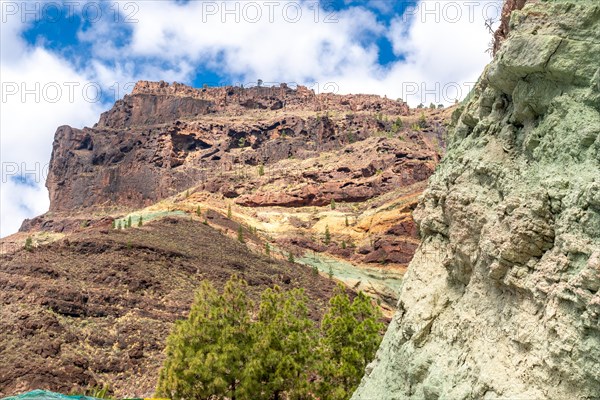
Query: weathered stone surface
[
  {"x": 260, "y": 147},
  {"x": 501, "y": 300}
]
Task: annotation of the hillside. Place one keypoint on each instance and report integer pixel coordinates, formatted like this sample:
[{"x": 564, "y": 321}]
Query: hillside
[
  {"x": 89, "y": 304},
  {"x": 96, "y": 308},
  {"x": 289, "y": 163}
]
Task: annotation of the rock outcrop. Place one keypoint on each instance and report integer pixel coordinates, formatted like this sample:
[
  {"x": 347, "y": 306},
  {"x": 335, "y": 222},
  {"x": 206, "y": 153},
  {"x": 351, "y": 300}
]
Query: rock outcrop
[
  {"x": 163, "y": 139},
  {"x": 502, "y": 298}
]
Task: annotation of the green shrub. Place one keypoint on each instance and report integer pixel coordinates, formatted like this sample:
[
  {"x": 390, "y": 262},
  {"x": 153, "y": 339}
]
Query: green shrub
[
  {"x": 28, "y": 244},
  {"x": 397, "y": 125},
  {"x": 240, "y": 234},
  {"x": 422, "y": 121},
  {"x": 226, "y": 348}
]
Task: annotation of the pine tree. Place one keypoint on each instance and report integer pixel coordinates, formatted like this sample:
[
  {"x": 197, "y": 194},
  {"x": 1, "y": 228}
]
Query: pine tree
[
  {"x": 229, "y": 213},
  {"x": 207, "y": 353},
  {"x": 327, "y": 239},
  {"x": 192, "y": 342},
  {"x": 332, "y": 204},
  {"x": 240, "y": 234},
  {"x": 261, "y": 170},
  {"x": 267, "y": 250},
  {"x": 198, "y": 211},
  {"x": 119, "y": 226},
  {"x": 236, "y": 335},
  {"x": 114, "y": 224},
  {"x": 129, "y": 222},
  {"x": 282, "y": 356},
  {"x": 291, "y": 258},
  {"x": 343, "y": 244},
  {"x": 220, "y": 352},
  {"x": 141, "y": 221},
  {"x": 347, "y": 223},
  {"x": 350, "y": 338}
]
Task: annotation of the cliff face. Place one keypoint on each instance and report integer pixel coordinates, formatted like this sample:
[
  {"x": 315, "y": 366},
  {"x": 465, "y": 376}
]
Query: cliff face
[
  {"x": 501, "y": 299},
  {"x": 163, "y": 139}
]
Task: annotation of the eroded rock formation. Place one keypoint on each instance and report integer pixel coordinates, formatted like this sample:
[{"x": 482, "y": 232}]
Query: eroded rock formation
[
  {"x": 501, "y": 300},
  {"x": 257, "y": 148},
  {"x": 164, "y": 138}
]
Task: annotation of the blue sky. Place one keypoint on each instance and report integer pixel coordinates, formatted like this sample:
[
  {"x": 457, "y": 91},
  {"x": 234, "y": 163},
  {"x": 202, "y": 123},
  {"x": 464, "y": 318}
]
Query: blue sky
[{"x": 65, "y": 63}]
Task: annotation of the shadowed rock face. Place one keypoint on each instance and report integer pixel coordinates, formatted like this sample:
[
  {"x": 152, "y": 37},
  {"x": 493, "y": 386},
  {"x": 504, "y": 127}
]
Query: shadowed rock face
[
  {"x": 258, "y": 148},
  {"x": 501, "y": 299}
]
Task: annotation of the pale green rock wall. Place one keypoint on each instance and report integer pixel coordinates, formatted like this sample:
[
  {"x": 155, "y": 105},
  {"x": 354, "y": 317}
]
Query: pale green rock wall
[{"x": 502, "y": 298}]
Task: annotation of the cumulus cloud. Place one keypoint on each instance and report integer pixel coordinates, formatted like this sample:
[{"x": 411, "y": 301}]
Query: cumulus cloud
[
  {"x": 40, "y": 91},
  {"x": 441, "y": 43}
]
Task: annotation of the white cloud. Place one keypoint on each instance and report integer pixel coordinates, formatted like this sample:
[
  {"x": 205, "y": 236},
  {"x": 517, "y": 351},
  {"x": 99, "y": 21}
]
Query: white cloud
[
  {"x": 443, "y": 43},
  {"x": 35, "y": 101}
]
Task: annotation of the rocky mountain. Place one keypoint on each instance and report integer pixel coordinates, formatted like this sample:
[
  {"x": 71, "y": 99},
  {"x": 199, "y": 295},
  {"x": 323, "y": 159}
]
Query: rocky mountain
[
  {"x": 163, "y": 139},
  {"x": 287, "y": 162},
  {"x": 501, "y": 300},
  {"x": 326, "y": 179}
]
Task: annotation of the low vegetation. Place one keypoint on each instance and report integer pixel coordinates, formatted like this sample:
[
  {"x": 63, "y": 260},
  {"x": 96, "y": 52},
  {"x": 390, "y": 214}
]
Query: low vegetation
[{"x": 226, "y": 349}]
